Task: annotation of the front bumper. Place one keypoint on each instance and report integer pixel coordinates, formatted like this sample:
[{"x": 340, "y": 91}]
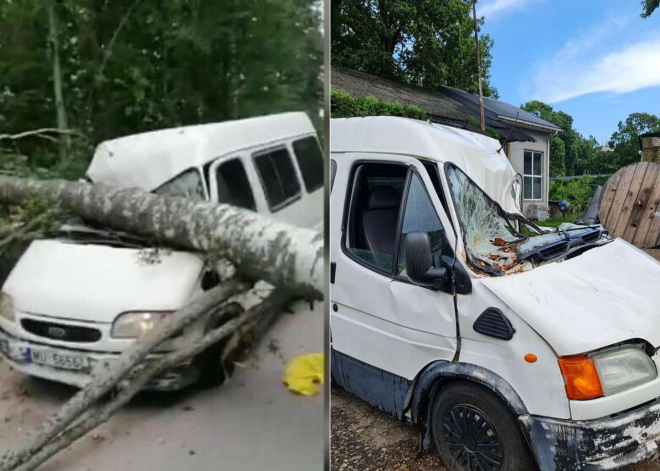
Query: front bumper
[
  {"x": 609, "y": 443},
  {"x": 16, "y": 353}
]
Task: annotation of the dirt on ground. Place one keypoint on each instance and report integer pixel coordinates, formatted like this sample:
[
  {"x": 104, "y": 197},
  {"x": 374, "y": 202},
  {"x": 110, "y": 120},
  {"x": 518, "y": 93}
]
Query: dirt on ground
[
  {"x": 365, "y": 438},
  {"x": 250, "y": 422}
]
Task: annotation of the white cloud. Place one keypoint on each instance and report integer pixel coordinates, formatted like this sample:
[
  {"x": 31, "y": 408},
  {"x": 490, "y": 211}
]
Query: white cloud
[
  {"x": 494, "y": 7},
  {"x": 597, "y": 61}
]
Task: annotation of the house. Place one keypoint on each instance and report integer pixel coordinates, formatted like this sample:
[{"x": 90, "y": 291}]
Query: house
[{"x": 525, "y": 136}]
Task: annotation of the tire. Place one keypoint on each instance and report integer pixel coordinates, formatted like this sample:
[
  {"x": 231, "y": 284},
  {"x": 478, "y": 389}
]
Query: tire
[
  {"x": 213, "y": 372},
  {"x": 474, "y": 430}
]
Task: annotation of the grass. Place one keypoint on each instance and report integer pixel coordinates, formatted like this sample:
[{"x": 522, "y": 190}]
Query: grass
[{"x": 554, "y": 221}]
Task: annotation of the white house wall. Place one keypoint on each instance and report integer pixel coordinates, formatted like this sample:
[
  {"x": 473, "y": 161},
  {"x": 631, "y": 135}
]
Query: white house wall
[{"x": 516, "y": 153}]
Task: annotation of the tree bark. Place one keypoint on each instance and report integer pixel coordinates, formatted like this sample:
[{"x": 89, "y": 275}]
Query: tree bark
[
  {"x": 60, "y": 108},
  {"x": 281, "y": 254},
  {"x": 108, "y": 379}
]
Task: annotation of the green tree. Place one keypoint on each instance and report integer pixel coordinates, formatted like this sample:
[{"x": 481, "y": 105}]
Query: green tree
[
  {"x": 648, "y": 7},
  {"x": 409, "y": 39},
  {"x": 563, "y": 162},
  {"x": 129, "y": 66},
  {"x": 557, "y": 157},
  {"x": 625, "y": 141}
]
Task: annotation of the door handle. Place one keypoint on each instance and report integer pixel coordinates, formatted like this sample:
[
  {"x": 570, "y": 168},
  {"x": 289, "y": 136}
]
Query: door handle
[{"x": 333, "y": 271}]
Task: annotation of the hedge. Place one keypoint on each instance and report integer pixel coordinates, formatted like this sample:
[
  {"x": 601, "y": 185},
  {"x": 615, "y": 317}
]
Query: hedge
[{"x": 343, "y": 105}]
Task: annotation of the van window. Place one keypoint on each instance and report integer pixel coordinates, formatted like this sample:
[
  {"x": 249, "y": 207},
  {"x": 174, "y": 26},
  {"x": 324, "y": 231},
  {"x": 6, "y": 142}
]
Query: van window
[
  {"x": 278, "y": 177},
  {"x": 374, "y": 214},
  {"x": 187, "y": 184},
  {"x": 310, "y": 162},
  {"x": 233, "y": 185},
  {"x": 420, "y": 216}
]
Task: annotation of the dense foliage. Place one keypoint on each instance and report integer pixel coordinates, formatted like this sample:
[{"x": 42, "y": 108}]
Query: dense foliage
[
  {"x": 408, "y": 39},
  {"x": 577, "y": 191},
  {"x": 129, "y": 66},
  {"x": 625, "y": 140},
  {"x": 343, "y": 105},
  {"x": 573, "y": 154},
  {"x": 649, "y": 6}
]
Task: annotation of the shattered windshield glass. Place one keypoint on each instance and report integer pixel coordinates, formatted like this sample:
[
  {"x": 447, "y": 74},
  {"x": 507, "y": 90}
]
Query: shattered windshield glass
[
  {"x": 488, "y": 235},
  {"x": 494, "y": 246}
]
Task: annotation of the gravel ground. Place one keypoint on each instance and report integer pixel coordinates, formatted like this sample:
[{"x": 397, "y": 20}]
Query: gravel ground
[{"x": 364, "y": 438}]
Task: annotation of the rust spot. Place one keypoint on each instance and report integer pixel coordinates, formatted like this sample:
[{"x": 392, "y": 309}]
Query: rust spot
[{"x": 499, "y": 242}]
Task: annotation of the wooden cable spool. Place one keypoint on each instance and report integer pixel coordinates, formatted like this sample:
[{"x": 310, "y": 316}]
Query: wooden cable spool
[{"x": 630, "y": 205}]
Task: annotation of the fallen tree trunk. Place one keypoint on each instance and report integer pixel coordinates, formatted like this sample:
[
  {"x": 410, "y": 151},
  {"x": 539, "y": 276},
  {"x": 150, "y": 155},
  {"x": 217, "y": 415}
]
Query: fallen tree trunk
[
  {"x": 262, "y": 248},
  {"x": 105, "y": 381},
  {"x": 254, "y": 321}
]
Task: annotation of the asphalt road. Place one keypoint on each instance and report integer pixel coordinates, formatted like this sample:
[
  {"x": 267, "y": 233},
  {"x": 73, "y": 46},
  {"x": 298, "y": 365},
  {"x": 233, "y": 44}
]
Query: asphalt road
[
  {"x": 364, "y": 438},
  {"x": 251, "y": 422}
]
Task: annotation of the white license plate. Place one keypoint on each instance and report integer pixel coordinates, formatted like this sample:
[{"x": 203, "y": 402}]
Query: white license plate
[{"x": 58, "y": 359}]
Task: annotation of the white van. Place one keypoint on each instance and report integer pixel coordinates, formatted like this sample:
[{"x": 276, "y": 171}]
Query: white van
[
  {"x": 508, "y": 347},
  {"x": 77, "y": 299}
]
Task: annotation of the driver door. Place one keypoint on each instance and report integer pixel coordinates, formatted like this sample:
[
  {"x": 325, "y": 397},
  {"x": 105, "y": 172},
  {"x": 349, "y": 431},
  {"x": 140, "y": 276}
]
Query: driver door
[{"x": 384, "y": 328}]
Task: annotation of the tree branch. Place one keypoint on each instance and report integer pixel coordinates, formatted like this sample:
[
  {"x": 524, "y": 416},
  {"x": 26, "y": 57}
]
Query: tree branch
[
  {"x": 38, "y": 133},
  {"x": 260, "y": 315},
  {"x": 103, "y": 382}
]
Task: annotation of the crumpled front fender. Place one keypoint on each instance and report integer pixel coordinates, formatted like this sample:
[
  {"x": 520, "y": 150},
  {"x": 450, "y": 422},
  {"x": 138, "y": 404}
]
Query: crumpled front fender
[{"x": 600, "y": 444}]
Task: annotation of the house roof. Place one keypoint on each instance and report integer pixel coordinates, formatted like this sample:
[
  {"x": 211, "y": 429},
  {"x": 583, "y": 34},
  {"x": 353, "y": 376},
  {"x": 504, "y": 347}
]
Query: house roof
[
  {"x": 439, "y": 106},
  {"x": 501, "y": 109}
]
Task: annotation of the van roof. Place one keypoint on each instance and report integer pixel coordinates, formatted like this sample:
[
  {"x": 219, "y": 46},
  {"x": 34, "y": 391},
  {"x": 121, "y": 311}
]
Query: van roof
[
  {"x": 149, "y": 159},
  {"x": 473, "y": 153}
]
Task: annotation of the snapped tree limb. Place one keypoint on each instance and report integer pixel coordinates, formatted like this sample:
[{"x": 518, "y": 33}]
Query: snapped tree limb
[
  {"x": 255, "y": 320},
  {"x": 106, "y": 380},
  {"x": 284, "y": 255}
]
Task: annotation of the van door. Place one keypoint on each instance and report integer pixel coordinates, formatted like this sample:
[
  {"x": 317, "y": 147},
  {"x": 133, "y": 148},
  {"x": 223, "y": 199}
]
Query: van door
[{"x": 384, "y": 328}]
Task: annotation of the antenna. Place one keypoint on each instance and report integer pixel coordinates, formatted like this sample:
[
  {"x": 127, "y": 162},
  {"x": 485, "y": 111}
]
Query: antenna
[{"x": 510, "y": 129}]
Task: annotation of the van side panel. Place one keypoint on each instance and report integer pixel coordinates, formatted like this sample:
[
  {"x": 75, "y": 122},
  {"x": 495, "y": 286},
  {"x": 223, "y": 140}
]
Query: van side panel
[
  {"x": 379, "y": 388},
  {"x": 539, "y": 384}
]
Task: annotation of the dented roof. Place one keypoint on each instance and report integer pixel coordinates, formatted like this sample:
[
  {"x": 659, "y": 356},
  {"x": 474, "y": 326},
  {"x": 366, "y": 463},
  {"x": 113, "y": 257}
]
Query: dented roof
[
  {"x": 477, "y": 155},
  {"x": 149, "y": 159}
]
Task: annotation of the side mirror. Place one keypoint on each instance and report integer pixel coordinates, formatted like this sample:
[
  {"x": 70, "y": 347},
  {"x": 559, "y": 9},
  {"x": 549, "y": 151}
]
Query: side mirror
[{"x": 419, "y": 261}]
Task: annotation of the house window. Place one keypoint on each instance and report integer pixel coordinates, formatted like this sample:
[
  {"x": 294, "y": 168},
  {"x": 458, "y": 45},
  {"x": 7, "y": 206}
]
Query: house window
[{"x": 532, "y": 178}]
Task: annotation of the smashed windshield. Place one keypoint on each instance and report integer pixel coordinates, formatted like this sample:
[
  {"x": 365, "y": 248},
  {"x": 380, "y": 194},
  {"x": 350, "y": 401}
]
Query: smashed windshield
[
  {"x": 493, "y": 244},
  {"x": 487, "y": 234}
]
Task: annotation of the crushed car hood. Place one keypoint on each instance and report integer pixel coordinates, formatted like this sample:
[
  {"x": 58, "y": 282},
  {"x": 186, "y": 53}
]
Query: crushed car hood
[
  {"x": 95, "y": 282},
  {"x": 604, "y": 296}
]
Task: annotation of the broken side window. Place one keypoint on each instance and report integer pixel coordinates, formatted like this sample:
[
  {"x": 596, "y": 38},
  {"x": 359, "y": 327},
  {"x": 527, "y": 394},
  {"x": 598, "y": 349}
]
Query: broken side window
[
  {"x": 187, "y": 184},
  {"x": 487, "y": 234}
]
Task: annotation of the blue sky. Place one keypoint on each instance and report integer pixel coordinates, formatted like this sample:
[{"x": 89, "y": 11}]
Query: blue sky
[{"x": 596, "y": 60}]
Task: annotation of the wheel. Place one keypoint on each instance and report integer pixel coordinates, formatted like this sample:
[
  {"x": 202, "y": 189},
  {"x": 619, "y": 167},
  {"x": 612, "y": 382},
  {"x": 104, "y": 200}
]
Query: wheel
[
  {"x": 474, "y": 430},
  {"x": 213, "y": 371}
]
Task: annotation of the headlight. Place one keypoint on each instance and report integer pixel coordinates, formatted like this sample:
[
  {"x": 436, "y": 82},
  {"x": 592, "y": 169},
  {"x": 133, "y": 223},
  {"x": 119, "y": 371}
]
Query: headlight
[
  {"x": 136, "y": 324},
  {"x": 623, "y": 368},
  {"x": 7, "y": 307},
  {"x": 606, "y": 372}
]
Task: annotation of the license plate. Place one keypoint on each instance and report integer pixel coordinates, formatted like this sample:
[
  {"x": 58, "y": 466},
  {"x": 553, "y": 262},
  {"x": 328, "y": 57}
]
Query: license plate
[{"x": 57, "y": 359}]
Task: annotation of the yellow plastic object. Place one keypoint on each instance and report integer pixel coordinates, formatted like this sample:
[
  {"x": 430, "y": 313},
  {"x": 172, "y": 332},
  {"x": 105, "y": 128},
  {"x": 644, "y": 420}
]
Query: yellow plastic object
[{"x": 304, "y": 374}]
